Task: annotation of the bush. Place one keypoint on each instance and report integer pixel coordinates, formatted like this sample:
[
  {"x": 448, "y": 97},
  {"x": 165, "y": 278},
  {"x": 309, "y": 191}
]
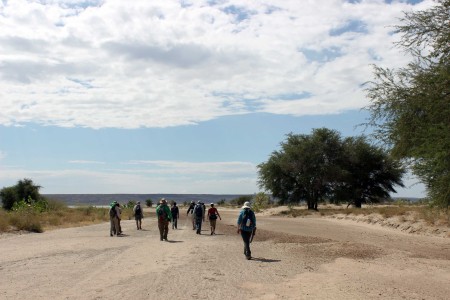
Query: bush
[
  {"x": 261, "y": 201},
  {"x": 241, "y": 200},
  {"x": 55, "y": 205},
  {"x": 4, "y": 221},
  {"x": 130, "y": 204},
  {"x": 221, "y": 202},
  {"x": 149, "y": 202},
  {"x": 27, "y": 220}
]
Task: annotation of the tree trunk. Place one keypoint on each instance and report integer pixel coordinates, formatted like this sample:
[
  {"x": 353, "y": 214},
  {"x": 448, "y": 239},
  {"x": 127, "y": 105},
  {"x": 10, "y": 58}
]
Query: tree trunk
[{"x": 358, "y": 203}]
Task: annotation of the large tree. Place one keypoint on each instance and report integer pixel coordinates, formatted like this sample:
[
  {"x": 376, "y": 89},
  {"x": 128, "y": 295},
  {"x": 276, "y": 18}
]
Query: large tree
[
  {"x": 323, "y": 166},
  {"x": 24, "y": 190},
  {"x": 410, "y": 107},
  {"x": 304, "y": 169},
  {"x": 369, "y": 174}
]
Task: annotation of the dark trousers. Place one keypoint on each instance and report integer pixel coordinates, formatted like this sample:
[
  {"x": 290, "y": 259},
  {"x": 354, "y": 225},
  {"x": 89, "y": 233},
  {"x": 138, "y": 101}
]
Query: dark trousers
[
  {"x": 163, "y": 229},
  {"x": 174, "y": 223},
  {"x": 198, "y": 224},
  {"x": 246, "y": 238}
]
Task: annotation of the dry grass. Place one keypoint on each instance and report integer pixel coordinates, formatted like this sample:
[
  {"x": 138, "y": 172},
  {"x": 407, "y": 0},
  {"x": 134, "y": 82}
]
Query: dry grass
[
  {"x": 62, "y": 216},
  {"x": 431, "y": 216}
]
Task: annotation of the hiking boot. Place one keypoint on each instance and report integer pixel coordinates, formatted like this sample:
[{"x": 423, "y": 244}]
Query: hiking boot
[{"x": 248, "y": 257}]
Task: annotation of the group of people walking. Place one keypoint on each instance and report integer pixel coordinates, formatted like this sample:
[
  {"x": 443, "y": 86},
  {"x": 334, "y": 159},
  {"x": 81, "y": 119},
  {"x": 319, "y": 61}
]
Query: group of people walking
[
  {"x": 197, "y": 213},
  {"x": 246, "y": 221}
]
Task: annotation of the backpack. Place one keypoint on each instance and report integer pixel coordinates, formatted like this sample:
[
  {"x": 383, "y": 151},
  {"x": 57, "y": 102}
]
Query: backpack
[
  {"x": 247, "y": 215},
  {"x": 112, "y": 212},
  {"x": 191, "y": 208},
  {"x": 162, "y": 215},
  {"x": 138, "y": 210},
  {"x": 198, "y": 211}
]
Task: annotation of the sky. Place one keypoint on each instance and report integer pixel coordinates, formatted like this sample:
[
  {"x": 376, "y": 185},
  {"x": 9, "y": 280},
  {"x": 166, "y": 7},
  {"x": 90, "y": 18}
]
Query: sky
[{"x": 112, "y": 96}]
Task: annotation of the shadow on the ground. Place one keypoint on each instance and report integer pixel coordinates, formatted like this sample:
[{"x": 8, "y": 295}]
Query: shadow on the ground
[
  {"x": 267, "y": 260},
  {"x": 171, "y": 241}
]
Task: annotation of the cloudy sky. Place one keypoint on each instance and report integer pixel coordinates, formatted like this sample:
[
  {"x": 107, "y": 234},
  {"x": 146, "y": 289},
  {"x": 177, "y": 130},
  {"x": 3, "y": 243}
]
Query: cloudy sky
[{"x": 112, "y": 96}]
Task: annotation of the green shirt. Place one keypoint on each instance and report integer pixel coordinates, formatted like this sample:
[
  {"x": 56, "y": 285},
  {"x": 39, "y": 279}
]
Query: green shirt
[{"x": 166, "y": 210}]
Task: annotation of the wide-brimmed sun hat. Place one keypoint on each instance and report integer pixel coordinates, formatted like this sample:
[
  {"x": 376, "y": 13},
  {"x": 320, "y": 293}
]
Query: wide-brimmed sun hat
[
  {"x": 162, "y": 201},
  {"x": 246, "y": 205}
]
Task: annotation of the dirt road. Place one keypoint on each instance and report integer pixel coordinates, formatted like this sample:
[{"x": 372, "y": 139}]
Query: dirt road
[{"x": 294, "y": 258}]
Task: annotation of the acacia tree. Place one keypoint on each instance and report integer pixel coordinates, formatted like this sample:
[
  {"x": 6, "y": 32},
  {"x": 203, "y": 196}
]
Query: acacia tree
[
  {"x": 410, "y": 107},
  {"x": 304, "y": 169},
  {"x": 369, "y": 174},
  {"x": 322, "y": 166},
  {"x": 24, "y": 190}
]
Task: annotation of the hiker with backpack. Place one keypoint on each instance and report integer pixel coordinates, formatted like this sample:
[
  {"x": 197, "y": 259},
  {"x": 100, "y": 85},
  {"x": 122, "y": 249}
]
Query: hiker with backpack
[
  {"x": 190, "y": 212},
  {"x": 138, "y": 215},
  {"x": 114, "y": 215},
  {"x": 164, "y": 217},
  {"x": 175, "y": 215},
  {"x": 246, "y": 223},
  {"x": 199, "y": 215},
  {"x": 212, "y": 216}
]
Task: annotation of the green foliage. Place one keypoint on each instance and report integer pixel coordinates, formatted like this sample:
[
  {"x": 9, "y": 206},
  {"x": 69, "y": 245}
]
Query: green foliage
[
  {"x": 221, "y": 202},
  {"x": 9, "y": 197},
  {"x": 322, "y": 166},
  {"x": 38, "y": 206},
  {"x": 149, "y": 202},
  {"x": 368, "y": 173},
  {"x": 410, "y": 106},
  {"x": 24, "y": 190},
  {"x": 261, "y": 201},
  {"x": 239, "y": 201},
  {"x": 304, "y": 168},
  {"x": 130, "y": 204}
]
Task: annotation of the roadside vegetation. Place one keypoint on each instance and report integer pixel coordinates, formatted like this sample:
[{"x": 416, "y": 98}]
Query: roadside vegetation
[
  {"x": 432, "y": 216},
  {"x": 24, "y": 209}
]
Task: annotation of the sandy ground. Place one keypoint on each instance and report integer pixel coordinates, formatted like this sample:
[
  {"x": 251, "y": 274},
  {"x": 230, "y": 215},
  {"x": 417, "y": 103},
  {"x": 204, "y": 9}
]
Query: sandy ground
[{"x": 294, "y": 258}]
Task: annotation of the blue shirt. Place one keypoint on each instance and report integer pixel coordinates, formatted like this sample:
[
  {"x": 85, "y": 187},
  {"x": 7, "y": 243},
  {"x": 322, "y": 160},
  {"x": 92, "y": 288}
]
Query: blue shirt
[{"x": 241, "y": 219}]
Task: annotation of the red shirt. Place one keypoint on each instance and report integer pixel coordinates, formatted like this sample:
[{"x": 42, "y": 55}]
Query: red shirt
[{"x": 212, "y": 211}]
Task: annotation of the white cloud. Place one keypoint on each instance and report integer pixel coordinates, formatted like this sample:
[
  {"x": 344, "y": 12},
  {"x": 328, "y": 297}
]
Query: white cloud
[
  {"x": 179, "y": 167},
  {"x": 176, "y": 179},
  {"x": 132, "y": 64}
]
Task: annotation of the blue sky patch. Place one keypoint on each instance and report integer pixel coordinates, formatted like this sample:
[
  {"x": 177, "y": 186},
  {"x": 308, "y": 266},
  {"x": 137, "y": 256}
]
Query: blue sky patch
[
  {"x": 324, "y": 55},
  {"x": 239, "y": 13},
  {"x": 351, "y": 26},
  {"x": 292, "y": 96}
]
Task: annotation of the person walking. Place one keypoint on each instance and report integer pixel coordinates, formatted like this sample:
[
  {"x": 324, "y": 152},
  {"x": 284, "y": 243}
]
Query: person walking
[
  {"x": 119, "y": 217},
  {"x": 199, "y": 215},
  {"x": 138, "y": 215},
  {"x": 212, "y": 216},
  {"x": 190, "y": 213},
  {"x": 175, "y": 215},
  {"x": 114, "y": 218},
  {"x": 246, "y": 223},
  {"x": 164, "y": 217}
]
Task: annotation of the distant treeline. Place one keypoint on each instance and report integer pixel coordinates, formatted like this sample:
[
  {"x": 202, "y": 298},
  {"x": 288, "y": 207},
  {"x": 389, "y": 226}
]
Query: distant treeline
[{"x": 105, "y": 199}]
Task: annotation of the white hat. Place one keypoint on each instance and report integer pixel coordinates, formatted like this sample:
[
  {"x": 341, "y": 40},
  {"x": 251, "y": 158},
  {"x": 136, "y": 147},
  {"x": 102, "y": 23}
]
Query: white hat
[{"x": 246, "y": 205}]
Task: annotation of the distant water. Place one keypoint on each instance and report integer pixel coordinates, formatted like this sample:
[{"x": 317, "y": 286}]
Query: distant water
[{"x": 105, "y": 199}]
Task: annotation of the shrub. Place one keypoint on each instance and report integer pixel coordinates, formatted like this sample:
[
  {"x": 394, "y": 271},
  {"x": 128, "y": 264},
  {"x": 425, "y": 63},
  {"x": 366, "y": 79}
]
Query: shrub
[
  {"x": 149, "y": 202},
  {"x": 55, "y": 205},
  {"x": 221, "y": 202},
  {"x": 261, "y": 201},
  {"x": 241, "y": 200},
  {"x": 27, "y": 220}
]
